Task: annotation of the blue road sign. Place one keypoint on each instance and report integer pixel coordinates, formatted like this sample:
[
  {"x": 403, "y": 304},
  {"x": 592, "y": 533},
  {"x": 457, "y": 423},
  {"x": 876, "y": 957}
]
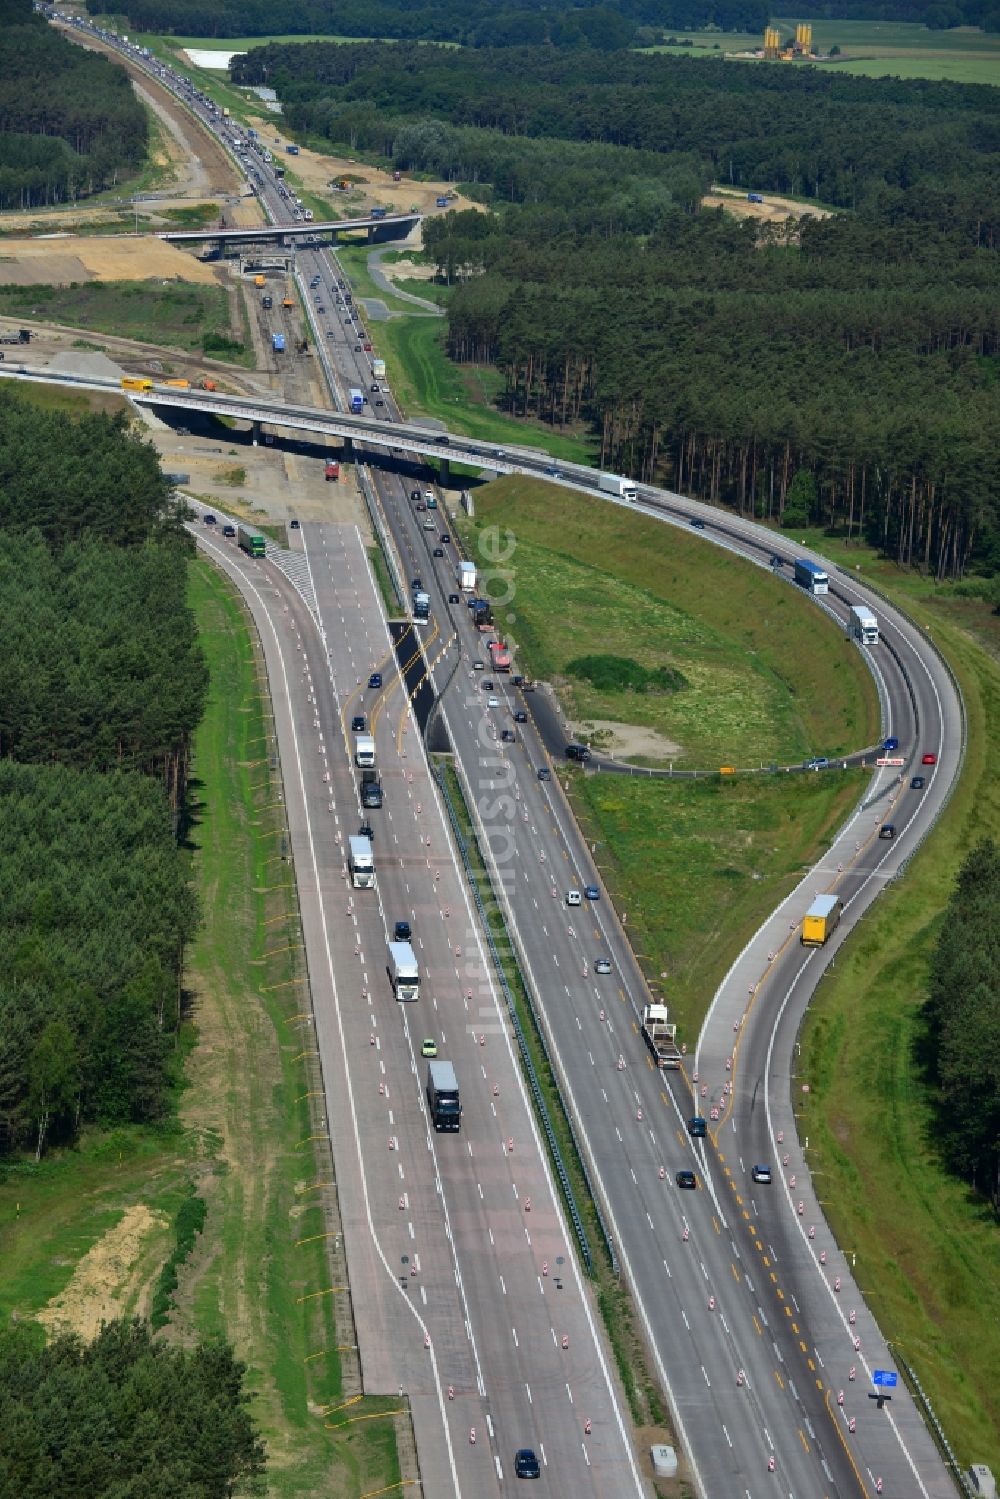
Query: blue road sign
[{"x": 887, "y": 1378}]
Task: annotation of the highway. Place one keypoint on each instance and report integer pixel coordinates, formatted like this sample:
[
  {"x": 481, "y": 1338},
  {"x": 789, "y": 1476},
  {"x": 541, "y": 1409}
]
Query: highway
[{"x": 735, "y": 1284}]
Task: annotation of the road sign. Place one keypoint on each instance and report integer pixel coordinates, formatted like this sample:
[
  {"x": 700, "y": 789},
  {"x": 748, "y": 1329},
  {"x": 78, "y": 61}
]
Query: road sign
[
  {"x": 890, "y": 760},
  {"x": 887, "y": 1378}
]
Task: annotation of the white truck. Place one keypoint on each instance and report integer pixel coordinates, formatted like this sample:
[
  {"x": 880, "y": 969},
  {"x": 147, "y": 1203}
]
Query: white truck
[
  {"x": 364, "y": 751},
  {"x": 661, "y": 1036},
  {"x": 378, "y": 369},
  {"x": 467, "y": 577},
  {"x": 864, "y": 625},
  {"x": 404, "y": 975},
  {"x": 361, "y": 863},
  {"x": 614, "y": 484}
]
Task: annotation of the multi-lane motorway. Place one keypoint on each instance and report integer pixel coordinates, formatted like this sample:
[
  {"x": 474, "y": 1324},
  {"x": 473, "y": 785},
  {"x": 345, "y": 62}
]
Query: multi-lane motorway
[{"x": 756, "y": 1327}]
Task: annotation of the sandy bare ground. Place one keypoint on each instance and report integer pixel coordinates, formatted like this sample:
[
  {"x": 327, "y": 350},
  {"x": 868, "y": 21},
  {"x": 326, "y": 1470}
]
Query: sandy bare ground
[
  {"x": 628, "y": 741},
  {"x": 772, "y": 210},
  {"x": 406, "y": 270},
  {"x": 107, "y": 1280},
  {"x": 57, "y": 262}
]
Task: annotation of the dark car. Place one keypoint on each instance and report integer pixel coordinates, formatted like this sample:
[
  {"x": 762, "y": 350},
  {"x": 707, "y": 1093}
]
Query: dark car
[
  {"x": 544, "y": 773},
  {"x": 379, "y": 401},
  {"x": 697, "y": 1128},
  {"x": 591, "y": 892},
  {"x": 687, "y": 1179},
  {"x": 445, "y": 538},
  {"x": 526, "y": 1464},
  {"x": 375, "y": 680},
  {"x": 416, "y": 582},
  {"x": 508, "y": 736},
  {"x": 442, "y": 439},
  {"x": 414, "y": 493},
  {"x": 439, "y": 551},
  {"x": 890, "y": 745},
  {"x": 357, "y": 348},
  {"x": 402, "y": 932},
  {"x": 453, "y": 598},
  {"x": 520, "y": 716},
  {"x": 698, "y": 523},
  {"x": 359, "y": 723},
  {"x": 210, "y": 520},
  {"x": 320, "y": 307},
  {"x": 578, "y": 752},
  {"x": 229, "y": 530},
  {"x": 375, "y": 390},
  {"x": 486, "y": 685},
  {"x": 918, "y": 783},
  {"x": 517, "y": 679},
  {"x": 366, "y": 831},
  {"x": 294, "y": 525},
  {"x": 887, "y": 830}
]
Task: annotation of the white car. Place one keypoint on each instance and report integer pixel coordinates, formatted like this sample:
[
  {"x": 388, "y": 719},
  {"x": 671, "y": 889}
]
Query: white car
[
  {"x": 492, "y": 702},
  {"x": 602, "y": 965},
  {"x": 574, "y": 898}
]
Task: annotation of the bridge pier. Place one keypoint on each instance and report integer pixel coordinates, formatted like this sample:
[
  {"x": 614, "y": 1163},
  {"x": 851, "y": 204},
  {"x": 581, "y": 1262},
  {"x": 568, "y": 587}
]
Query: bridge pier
[
  {"x": 445, "y": 473},
  {"x": 348, "y": 448},
  {"x": 255, "y": 433}
]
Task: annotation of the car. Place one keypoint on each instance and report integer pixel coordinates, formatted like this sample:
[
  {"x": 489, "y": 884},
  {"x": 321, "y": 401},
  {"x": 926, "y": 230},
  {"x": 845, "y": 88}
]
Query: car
[
  {"x": 918, "y": 783},
  {"x": 578, "y": 752},
  {"x": 453, "y": 598},
  {"x": 553, "y": 473},
  {"x": 688, "y": 1180},
  {"x": 210, "y": 520},
  {"x": 421, "y": 505},
  {"x": 477, "y": 666},
  {"x": 320, "y": 307},
  {"x": 890, "y": 745},
  {"x": 602, "y": 965},
  {"x": 698, "y": 523},
  {"x": 366, "y": 831},
  {"x": 428, "y": 1047},
  {"x": 520, "y": 716},
  {"x": 416, "y": 582},
  {"x": 486, "y": 685},
  {"x": 359, "y": 724},
  {"x": 887, "y": 830},
  {"x": 402, "y": 932},
  {"x": 526, "y": 1464},
  {"x": 347, "y": 321},
  {"x": 508, "y": 736},
  {"x": 375, "y": 388},
  {"x": 330, "y": 333},
  {"x": 375, "y": 680},
  {"x": 517, "y": 679},
  {"x": 499, "y": 452},
  {"x": 697, "y": 1128},
  {"x": 428, "y": 523},
  {"x": 574, "y": 898},
  {"x": 819, "y": 762},
  {"x": 445, "y": 538},
  {"x": 367, "y": 348},
  {"x": 544, "y": 773},
  {"x": 357, "y": 348},
  {"x": 928, "y": 759},
  {"x": 438, "y": 551},
  {"x": 761, "y": 1174},
  {"x": 293, "y": 525},
  {"x": 229, "y": 530},
  {"x": 414, "y": 493},
  {"x": 379, "y": 401},
  {"x": 591, "y": 892},
  {"x": 492, "y": 701}
]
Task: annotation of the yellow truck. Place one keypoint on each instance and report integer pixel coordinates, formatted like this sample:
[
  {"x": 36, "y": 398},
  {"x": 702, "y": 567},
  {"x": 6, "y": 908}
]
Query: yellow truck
[
  {"x": 821, "y": 920},
  {"x": 179, "y": 384},
  {"x": 135, "y": 382},
  {"x": 260, "y": 281}
]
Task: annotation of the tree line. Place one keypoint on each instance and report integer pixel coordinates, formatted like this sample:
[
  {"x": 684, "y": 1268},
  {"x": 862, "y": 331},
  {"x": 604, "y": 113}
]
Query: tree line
[
  {"x": 124, "y": 1417},
  {"x": 70, "y": 124},
  {"x": 963, "y": 1024},
  {"x": 101, "y": 685},
  {"x": 840, "y": 371}
]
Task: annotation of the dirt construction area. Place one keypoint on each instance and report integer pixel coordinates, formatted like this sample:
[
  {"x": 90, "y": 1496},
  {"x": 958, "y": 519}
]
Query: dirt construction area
[
  {"x": 61, "y": 260},
  {"x": 772, "y": 210}
]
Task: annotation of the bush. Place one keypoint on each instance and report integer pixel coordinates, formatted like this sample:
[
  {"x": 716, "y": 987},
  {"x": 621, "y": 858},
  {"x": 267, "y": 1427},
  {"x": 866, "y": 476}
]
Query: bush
[{"x": 620, "y": 674}]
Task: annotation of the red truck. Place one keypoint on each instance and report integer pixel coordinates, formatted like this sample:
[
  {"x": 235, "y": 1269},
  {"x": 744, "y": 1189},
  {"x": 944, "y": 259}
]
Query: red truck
[
  {"x": 332, "y": 471},
  {"x": 499, "y": 656}
]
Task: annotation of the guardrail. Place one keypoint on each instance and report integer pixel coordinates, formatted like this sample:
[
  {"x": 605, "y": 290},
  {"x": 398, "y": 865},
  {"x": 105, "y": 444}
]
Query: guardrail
[
  {"x": 936, "y": 1429},
  {"x": 522, "y": 1042}
]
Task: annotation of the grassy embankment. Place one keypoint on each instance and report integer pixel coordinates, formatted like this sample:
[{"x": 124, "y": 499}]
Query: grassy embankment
[
  {"x": 770, "y": 679},
  {"x": 193, "y": 319},
  {"x": 928, "y": 1253},
  {"x": 263, "y": 1272},
  {"x": 426, "y": 383}
]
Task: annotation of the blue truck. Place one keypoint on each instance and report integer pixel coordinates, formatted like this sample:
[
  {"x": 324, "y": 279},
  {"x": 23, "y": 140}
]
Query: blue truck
[
  {"x": 357, "y": 401},
  {"x": 292, "y": 150},
  {"x": 278, "y": 342}
]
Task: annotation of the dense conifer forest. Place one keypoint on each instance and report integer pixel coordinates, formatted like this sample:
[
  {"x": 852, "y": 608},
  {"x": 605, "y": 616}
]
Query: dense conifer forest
[
  {"x": 101, "y": 685},
  {"x": 70, "y": 124},
  {"x": 842, "y": 370}
]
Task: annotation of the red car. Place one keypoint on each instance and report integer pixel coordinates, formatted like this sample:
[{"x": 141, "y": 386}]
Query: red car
[
  {"x": 367, "y": 348},
  {"x": 929, "y": 760}
]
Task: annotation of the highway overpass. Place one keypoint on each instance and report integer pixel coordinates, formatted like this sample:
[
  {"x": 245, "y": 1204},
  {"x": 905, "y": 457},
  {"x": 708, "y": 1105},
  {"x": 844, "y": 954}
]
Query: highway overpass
[{"x": 392, "y": 226}]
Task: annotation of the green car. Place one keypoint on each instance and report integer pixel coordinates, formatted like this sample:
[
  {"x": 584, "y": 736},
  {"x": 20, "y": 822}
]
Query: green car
[{"x": 429, "y": 1048}]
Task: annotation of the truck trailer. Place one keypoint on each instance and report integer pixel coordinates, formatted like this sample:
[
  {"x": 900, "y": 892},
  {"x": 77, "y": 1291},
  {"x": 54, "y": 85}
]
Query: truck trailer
[
  {"x": 821, "y": 920},
  {"x": 617, "y": 485},
  {"x": 443, "y": 1101},
  {"x": 250, "y": 541},
  {"x": 378, "y": 368},
  {"x": 864, "y": 625},
  {"x": 361, "y": 863},
  {"x": 421, "y": 606},
  {"x": 811, "y": 576},
  {"x": 467, "y": 577},
  {"x": 404, "y": 975},
  {"x": 364, "y": 751},
  {"x": 661, "y": 1036},
  {"x": 357, "y": 400}
]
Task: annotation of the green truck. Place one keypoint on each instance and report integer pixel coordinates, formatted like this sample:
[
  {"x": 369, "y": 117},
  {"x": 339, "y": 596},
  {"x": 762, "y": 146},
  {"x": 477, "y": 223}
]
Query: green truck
[{"x": 251, "y": 541}]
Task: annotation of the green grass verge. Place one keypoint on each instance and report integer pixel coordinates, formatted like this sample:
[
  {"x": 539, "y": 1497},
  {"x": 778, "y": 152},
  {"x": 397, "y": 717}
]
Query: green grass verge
[
  {"x": 696, "y": 866},
  {"x": 769, "y": 677},
  {"x": 390, "y": 602},
  {"x": 615, "y": 1306},
  {"x": 181, "y": 315}
]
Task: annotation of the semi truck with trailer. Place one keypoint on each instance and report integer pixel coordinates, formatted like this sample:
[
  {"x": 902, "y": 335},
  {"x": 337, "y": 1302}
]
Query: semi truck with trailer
[
  {"x": 467, "y": 576},
  {"x": 864, "y": 625},
  {"x": 361, "y": 863},
  {"x": 811, "y": 576},
  {"x": 821, "y": 920},
  {"x": 443, "y": 1100},
  {"x": 250, "y": 541},
  {"x": 661, "y": 1036},
  {"x": 404, "y": 975},
  {"x": 617, "y": 485},
  {"x": 421, "y": 606},
  {"x": 357, "y": 400},
  {"x": 364, "y": 751}
]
